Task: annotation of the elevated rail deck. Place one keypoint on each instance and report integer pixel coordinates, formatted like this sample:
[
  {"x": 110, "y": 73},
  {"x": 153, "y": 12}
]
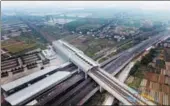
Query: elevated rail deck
[{"x": 113, "y": 86}]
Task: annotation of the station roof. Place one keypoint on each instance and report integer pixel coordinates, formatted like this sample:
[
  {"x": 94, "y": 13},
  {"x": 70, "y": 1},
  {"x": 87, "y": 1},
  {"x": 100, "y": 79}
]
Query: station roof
[
  {"x": 79, "y": 53},
  {"x": 70, "y": 46},
  {"x": 33, "y": 90},
  {"x": 26, "y": 79},
  {"x": 88, "y": 59},
  {"x": 60, "y": 48},
  {"x": 80, "y": 63},
  {"x": 77, "y": 60}
]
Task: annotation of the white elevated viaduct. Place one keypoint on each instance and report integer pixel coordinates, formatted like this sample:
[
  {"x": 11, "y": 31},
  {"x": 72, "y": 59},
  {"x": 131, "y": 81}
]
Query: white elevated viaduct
[{"x": 118, "y": 89}]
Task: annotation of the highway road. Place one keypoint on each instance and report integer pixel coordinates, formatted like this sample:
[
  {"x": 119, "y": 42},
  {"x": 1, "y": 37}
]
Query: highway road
[{"x": 126, "y": 56}]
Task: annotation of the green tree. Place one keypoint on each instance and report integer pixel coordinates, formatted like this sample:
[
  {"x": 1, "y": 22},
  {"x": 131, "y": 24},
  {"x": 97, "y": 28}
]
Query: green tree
[{"x": 135, "y": 68}]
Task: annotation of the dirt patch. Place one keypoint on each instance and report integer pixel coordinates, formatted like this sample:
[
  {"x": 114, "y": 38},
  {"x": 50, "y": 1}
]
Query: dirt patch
[
  {"x": 161, "y": 79},
  {"x": 165, "y": 88},
  {"x": 151, "y": 76}
]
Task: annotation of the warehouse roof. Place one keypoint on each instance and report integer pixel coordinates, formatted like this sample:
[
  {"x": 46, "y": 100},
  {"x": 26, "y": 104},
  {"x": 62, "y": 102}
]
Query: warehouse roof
[
  {"x": 24, "y": 95},
  {"x": 26, "y": 79}
]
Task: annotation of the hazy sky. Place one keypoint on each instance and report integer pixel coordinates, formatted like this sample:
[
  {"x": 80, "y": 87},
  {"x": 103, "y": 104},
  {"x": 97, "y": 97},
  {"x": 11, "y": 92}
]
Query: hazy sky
[{"x": 152, "y": 5}]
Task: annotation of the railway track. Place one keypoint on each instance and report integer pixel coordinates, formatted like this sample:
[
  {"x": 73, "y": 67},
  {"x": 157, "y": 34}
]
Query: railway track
[
  {"x": 61, "y": 101},
  {"x": 80, "y": 95},
  {"x": 54, "y": 94},
  {"x": 122, "y": 91}
]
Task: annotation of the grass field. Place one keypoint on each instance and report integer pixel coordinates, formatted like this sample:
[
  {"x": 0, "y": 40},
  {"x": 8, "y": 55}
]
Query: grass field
[
  {"x": 15, "y": 46},
  {"x": 91, "y": 45},
  {"x": 103, "y": 59},
  {"x": 136, "y": 83},
  {"x": 87, "y": 24},
  {"x": 126, "y": 46},
  {"x": 21, "y": 43},
  {"x": 19, "y": 47}
]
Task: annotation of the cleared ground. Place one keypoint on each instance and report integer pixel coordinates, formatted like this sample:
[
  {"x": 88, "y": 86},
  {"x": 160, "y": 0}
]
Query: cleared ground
[
  {"x": 22, "y": 43},
  {"x": 91, "y": 45},
  {"x": 14, "y": 46}
]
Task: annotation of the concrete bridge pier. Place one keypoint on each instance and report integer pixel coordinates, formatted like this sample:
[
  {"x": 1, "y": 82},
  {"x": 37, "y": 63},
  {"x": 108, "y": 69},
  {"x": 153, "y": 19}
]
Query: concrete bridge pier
[
  {"x": 86, "y": 76},
  {"x": 78, "y": 70},
  {"x": 101, "y": 89}
]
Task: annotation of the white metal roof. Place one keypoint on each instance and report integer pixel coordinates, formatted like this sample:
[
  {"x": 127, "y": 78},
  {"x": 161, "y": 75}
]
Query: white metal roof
[
  {"x": 79, "y": 53},
  {"x": 88, "y": 59},
  {"x": 80, "y": 63},
  {"x": 72, "y": 56},
  {"x": 71, "y": 47},
  {"x": 61, "y": 48},
  {"x": 23, "y": 80},
  {"x": 35, "y": 89}
]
